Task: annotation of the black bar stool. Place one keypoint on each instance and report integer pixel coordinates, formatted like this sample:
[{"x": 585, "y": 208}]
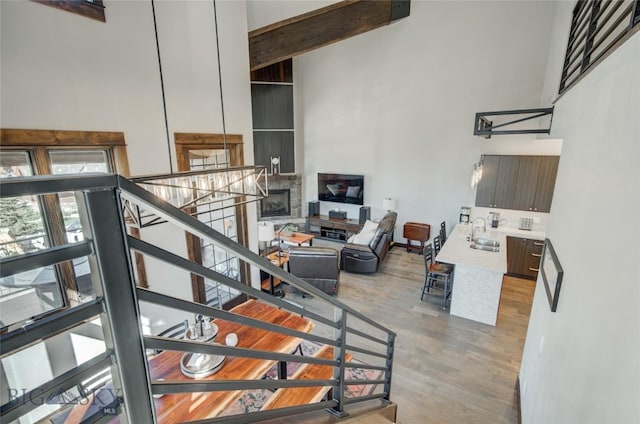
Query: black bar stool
[{"x": 437, "y": 276}]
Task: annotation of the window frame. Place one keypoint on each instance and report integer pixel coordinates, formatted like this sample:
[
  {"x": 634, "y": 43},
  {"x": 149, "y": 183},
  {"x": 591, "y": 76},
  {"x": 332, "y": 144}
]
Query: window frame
[
  {"x": 38, "y": 144},
  {"x": 185, "y": 142}
]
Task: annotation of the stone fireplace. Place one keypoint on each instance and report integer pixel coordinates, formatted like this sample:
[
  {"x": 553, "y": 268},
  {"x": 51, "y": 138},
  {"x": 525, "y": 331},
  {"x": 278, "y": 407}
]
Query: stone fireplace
[
  {"x": 283, "y": 189},
  {"x": 277, "y": 204}
]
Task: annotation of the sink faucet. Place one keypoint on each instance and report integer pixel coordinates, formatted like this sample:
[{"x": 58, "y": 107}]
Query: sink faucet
[{"x": 473, "y": 227}]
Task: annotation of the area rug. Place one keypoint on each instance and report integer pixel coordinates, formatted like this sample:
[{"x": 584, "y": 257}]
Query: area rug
[{"x": 252, "y": 400}]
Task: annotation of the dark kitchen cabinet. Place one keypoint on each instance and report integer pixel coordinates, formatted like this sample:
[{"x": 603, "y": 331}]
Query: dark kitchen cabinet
[
  {"x": 485, "y": 195},
  {"x": 517, "y": 182},
  {"x": 546, "y": 183},
  {"x": 535, "y": 183},
  {"x": 497, "y": 187},
  {"x": 523, "y": 256}
]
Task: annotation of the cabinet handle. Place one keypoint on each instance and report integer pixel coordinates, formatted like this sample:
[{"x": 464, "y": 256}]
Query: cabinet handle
[
  {"x": 537, "y": 255},
  {"x": 534, "y": 269},
  {"x": 538, "y": 244}
]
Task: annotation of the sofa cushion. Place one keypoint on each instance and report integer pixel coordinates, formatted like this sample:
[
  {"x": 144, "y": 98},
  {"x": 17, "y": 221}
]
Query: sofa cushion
[
  {"x": 366, "y": 233},
  {"x": 377, "y": 237}
]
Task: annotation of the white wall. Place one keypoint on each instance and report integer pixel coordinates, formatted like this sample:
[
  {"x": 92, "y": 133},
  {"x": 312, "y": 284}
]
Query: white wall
[
  {"x": 397, "y": 104},
  {"x": 63, "y": 71},
  {"x": 581, "y": 363}
]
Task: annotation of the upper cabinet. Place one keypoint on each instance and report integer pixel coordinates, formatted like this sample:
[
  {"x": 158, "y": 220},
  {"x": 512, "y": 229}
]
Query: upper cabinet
[
  {"x": 497, "y": 187},
  {"x": 517, "y": 182},
  {"x": 546, "y": 183}
]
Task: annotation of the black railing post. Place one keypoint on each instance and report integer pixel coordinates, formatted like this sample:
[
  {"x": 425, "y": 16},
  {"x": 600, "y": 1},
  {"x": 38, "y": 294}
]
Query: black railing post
[
  {"x": 572, "y": 36},
  {"x": 102, "y": 222},
  {"x": 588, "y": 42},
  {"x": 389, "y": 364},
  {"x": 340, "y": 354}
]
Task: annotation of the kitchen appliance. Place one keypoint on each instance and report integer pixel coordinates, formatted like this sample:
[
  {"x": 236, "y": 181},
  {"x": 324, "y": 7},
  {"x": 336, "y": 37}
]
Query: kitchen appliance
[
  {"x": 494, "y": 218},
  {"x": 465, "y": 214},
  {"x": 526, "y": 224}
]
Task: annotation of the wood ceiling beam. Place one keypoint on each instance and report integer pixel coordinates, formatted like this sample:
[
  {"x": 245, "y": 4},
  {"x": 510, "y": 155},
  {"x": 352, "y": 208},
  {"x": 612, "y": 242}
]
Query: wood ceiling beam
[{"x": 300, "y": 34}]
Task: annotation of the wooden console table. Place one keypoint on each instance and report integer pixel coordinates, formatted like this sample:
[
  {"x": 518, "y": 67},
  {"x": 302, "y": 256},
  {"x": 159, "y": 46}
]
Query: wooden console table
[{"x": 332, "y": 228}]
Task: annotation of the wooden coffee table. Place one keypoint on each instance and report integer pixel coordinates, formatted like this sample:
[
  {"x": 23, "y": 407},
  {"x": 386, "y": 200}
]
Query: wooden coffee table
[{"x": 298, "y": 238}]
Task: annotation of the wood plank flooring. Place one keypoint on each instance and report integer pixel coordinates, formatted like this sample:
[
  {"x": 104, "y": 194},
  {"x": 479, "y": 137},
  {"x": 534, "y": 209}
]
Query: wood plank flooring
[{"x": 446, "y": 369}]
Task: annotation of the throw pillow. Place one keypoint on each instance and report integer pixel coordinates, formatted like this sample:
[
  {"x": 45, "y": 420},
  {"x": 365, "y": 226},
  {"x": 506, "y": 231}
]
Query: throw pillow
[{"x": 366, "y": 234}]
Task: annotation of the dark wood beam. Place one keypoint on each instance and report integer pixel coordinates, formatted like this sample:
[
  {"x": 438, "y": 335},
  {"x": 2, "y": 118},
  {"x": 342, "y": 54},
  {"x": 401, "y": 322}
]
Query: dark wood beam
[{"x": 300, "y": 34}]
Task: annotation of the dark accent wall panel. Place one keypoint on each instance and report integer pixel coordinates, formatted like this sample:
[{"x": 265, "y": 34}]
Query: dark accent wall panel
[
  {"x": 400, "y": 9},
  {"x": 275, "y": 143},
  {"x": 272, "y": 106},
  {"x": 278, "y": 72}
]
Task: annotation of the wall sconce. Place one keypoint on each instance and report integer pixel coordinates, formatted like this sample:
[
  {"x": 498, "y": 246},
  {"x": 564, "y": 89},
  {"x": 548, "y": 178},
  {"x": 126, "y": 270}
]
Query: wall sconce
[{"x": 275, "y": 165}]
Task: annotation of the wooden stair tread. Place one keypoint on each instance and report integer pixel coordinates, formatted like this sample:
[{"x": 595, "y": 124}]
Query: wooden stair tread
[{"x": 304, "y": 395}]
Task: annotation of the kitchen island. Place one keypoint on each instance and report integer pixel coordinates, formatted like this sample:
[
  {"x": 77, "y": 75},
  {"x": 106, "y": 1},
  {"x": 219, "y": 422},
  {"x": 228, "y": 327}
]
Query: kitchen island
[{"x": 478, "y": 273}]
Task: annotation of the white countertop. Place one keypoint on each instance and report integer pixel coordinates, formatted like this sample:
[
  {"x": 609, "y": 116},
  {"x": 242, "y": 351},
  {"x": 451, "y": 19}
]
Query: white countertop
[{"x": 456, "y": 250}]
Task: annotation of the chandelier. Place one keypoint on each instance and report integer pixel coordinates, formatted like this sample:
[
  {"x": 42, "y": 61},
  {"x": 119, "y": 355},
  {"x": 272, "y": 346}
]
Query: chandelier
[{"x": 199, "y": 192}]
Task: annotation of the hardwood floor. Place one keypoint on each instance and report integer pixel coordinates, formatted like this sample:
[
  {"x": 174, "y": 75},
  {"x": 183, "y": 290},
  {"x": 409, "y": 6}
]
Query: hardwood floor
[{"x": 446, "y": 369}]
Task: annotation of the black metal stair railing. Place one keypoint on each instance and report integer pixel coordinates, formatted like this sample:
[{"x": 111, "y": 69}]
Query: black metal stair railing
[{"x": 117, "y": 304}]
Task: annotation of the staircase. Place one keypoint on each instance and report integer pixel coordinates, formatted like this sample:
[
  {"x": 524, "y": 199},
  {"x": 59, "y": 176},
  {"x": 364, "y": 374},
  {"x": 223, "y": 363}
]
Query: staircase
[{"x": 105, "y": 201}]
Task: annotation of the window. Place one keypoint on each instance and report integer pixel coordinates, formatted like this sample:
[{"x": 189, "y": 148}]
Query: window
[
  {"x": 196, "y": 152},
  {"x": 37, "y": 222},
  {"x": 597, "y": 28}
]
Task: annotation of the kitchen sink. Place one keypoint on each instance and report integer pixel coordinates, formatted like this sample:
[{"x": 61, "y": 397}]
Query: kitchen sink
[{"x": 485, "y": 244}]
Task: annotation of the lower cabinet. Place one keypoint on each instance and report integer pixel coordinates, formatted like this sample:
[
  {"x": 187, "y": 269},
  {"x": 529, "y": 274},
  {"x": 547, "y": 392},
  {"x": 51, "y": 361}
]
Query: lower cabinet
[{"x": 523, "y": 256}]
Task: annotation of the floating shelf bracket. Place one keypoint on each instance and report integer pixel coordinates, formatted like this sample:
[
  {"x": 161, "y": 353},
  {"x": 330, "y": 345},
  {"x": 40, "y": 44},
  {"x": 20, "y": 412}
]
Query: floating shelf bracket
[{"x": 485, "y": 127}]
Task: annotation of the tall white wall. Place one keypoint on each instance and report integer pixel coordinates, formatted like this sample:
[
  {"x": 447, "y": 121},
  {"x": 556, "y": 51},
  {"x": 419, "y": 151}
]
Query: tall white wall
[
  {"x": 397, "y": 104},
  {"x": 581, "y": 363},
  {"x": 66, "y": 72}
]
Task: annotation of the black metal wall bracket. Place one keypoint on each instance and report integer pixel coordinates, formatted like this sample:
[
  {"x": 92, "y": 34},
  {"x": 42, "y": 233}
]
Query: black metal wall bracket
[{"x": 484, "y": 127}]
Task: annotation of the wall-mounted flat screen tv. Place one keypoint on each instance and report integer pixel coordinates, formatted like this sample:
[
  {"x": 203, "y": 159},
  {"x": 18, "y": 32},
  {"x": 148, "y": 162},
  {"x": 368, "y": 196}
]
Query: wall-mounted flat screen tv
[{"x": 341, "y": 188}]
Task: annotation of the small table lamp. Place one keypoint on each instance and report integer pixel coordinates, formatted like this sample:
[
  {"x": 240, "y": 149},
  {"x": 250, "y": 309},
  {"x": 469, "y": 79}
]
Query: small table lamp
[
  {"x": 389, "y": 204},
  {"x": 266, "y": 233}
]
